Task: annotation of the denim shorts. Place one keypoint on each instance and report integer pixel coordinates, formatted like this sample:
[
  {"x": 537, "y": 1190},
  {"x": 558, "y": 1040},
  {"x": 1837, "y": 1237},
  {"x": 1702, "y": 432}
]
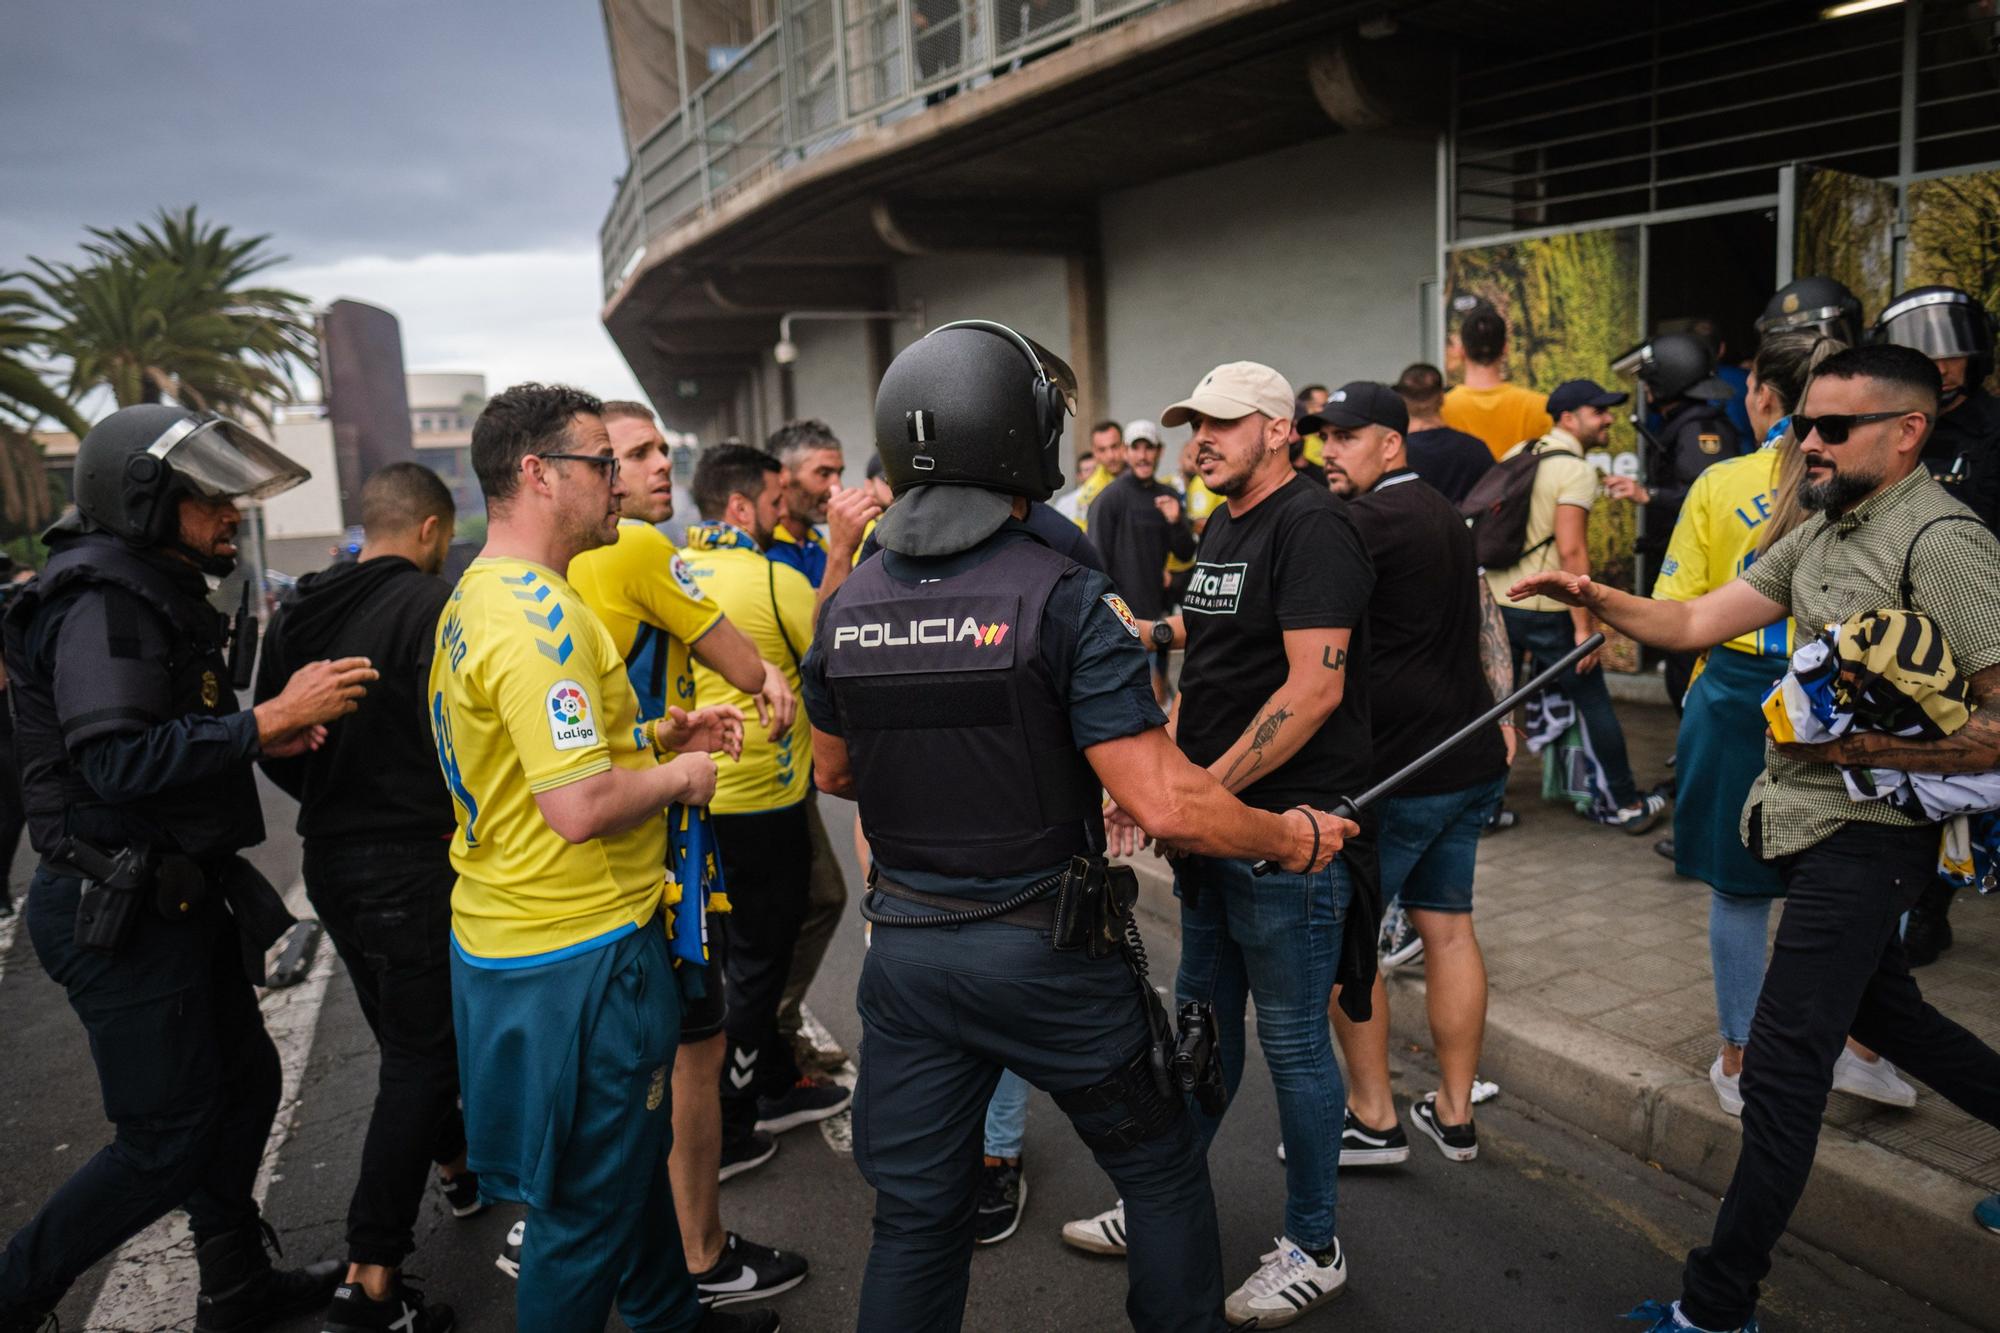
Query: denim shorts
[{"x": 1428, "y": 845}]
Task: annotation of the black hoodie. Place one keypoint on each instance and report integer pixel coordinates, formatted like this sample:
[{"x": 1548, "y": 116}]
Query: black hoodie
[{"x": 377, "y": 776}]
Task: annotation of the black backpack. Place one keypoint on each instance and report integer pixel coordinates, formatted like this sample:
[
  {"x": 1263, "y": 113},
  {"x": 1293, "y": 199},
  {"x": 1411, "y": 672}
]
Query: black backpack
[{"x": 1496, "y": 509}]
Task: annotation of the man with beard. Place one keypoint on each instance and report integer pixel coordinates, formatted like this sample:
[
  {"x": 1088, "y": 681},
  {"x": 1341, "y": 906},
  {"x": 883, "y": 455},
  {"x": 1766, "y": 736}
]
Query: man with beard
[
  {"x": 563, "y": 989},
  {"x": 1137, "y": 524},
  {"x": 1890, "y": 537}
]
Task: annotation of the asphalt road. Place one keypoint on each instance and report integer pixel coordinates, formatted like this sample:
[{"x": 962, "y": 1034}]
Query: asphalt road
[{"x": 1548, "y": 1230}]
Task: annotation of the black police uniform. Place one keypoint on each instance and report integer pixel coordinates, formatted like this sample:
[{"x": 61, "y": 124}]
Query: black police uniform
[
  {"x": 1963, "y": 453},
  {"x": 965, "y": 687},
  {"x": 129, "y": 736},
  {"x": 1694, "y": 435}
]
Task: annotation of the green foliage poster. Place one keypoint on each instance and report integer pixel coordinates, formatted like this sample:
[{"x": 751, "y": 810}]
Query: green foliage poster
[{"x": 1955, "y": 236}]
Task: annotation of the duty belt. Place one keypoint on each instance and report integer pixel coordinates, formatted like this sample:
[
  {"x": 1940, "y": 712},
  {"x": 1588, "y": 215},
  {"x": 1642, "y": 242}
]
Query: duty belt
[{"x": 1036, "y": 909}]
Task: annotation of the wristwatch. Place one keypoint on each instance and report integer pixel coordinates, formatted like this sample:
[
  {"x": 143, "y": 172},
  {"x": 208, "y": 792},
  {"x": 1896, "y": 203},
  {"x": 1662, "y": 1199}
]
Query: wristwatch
[{"x": 1163, "y": 634}]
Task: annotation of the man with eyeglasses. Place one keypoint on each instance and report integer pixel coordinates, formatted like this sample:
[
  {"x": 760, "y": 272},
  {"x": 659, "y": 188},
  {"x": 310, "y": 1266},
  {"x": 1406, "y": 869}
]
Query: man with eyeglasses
[
  {"x": 1891, "y": 537},
  {"x": 563, "y": 991}
]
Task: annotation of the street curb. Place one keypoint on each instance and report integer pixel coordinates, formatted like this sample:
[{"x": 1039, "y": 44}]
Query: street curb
[{"x": 1899, "y": 1219}]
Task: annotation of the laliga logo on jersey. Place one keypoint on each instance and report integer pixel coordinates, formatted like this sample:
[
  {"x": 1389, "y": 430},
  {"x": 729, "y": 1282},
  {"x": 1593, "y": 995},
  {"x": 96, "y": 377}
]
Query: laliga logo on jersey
[
  {"x": 570, "y": 726},
  {"x": 940, "y": 629}
]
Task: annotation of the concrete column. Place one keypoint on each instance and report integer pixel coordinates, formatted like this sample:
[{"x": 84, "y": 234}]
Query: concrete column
[{"x": 1087, "y": 346}]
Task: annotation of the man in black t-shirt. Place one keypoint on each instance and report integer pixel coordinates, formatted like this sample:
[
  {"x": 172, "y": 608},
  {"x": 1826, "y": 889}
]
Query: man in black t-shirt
[
  {"x": 1448, "y": 459},
  {"x": 1437, "y": 656},
  {"x": 1137, "y": 522},
  {"x": 1274, "y": 703}
]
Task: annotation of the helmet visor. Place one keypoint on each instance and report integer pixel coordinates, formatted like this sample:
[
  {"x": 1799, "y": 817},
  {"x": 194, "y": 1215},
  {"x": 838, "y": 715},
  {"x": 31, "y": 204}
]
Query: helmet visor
[
  {"x": 221, "y": 460},
  {"x": 1937, "y": 326},
  {"x": 1058, "y": 371}
]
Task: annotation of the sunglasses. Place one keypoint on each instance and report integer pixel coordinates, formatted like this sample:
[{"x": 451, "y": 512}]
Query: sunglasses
[
  {"x": 609, "y": 462},
  {"x": 1834, "y": 428}
]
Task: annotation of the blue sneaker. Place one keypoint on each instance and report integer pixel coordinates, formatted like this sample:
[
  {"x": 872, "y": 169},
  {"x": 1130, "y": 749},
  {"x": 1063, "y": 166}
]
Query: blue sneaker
[
  {"x": 1669, "y": 1319},
  {"x": 1987, "y": 1214}
]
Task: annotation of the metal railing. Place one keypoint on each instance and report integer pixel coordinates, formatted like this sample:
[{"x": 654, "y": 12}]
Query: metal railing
[{"x": 808, "y": 82}]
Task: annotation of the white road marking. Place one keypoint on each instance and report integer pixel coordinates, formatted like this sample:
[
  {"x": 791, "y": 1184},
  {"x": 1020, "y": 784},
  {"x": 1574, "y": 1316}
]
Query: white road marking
[
  {"x": 837, "y": 1130},
  {"x": 7, "y": 928},
  {"x": 152, "y": 1283}
]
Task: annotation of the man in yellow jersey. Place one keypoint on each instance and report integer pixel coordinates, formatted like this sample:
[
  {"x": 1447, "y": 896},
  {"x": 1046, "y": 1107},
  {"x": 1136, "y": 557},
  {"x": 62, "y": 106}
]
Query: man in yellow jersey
[
  {"x": 1486, "y": 405},
  {"x": 810, "y": 453},
  {"x": 761, "y": 821},
  {"x": 643, "y": 592},
  {"x": 562, "y": 988}
]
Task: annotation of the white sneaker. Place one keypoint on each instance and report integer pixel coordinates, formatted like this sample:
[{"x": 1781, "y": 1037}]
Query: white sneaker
[
  {"x": 1726, "y": 1090},
  {"x": 1289, "y": 1284},
  {"x": 1876, "y": 1080},
  {"x": 1102, "y": 1234}
]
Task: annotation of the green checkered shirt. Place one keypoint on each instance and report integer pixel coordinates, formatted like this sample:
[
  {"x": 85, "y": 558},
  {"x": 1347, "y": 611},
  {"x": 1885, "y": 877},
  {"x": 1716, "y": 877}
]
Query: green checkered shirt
[{"x": 1828, "y": 569}]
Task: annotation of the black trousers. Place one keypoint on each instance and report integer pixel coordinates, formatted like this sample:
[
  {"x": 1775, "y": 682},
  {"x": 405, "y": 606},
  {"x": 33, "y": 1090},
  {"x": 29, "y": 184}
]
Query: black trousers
[
  {"x": 13, "y": 809},
  {"x": 766, "y": 870},
  {"x": 190, "y": 1081},
  {"x": 387, "y": 908},
  {"x": 1837, "y": 967}
]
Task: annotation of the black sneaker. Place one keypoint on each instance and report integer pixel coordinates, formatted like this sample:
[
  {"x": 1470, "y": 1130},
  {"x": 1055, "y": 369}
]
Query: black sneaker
[
  {"x": 1637, "y": 819},
  {"x": 811, "y": 1098},
  {"x": 1362, "y": 1146},
  {"x": 461, "y": 1194},
  {"x": 355, "y": 1311},
  {"x": 747, "y": 1154},
  {"x": 748, "y": 1272},
  {"x": 1003, "y": 1196},
  {"x": 1459, "y": 1143},
  {"x": 1664, "y": 848},
  {"x": 509, "y": 1261},
  {"x": 1400, "y": 943},
  {"x": 737, "y": 1321}
]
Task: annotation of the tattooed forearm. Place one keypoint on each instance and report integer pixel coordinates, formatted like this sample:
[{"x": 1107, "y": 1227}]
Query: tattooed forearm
[
  {"x": 1267, "y": 731},
  {"x": 1333, "y": 659},
  {"x": 1496, "y": 655},
  {"x": 1973, "y": 748}
]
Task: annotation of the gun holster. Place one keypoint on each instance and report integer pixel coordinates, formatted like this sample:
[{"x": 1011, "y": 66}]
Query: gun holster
[
  {"x": 115, "y": 882},
  {"x": 1093, "y": 902}
]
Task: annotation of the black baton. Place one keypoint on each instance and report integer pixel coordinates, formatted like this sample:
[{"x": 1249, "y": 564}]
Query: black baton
[{"x": 1348, "y": 808}]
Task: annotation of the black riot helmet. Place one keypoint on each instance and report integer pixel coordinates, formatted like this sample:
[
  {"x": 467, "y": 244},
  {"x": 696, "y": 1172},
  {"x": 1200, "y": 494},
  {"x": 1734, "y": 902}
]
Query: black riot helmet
[
  {"x": 1941, "y": 322},
  {"x": 135, "y": 465},
  {"x": 974, "y": 404},
  {"x": 1680, "y": 365},
  {"x": 1823, "y": 305}
]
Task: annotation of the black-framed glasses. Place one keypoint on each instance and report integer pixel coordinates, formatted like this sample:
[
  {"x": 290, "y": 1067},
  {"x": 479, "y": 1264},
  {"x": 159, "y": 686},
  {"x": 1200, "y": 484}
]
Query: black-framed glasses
[
  {"x": 1835, "y": 427},
  {"x": 609, "y": 462}
]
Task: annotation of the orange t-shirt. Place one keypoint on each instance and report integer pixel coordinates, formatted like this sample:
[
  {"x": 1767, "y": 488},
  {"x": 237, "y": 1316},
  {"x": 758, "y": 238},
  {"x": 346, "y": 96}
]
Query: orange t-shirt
[{"x": 1502, "y": 416}]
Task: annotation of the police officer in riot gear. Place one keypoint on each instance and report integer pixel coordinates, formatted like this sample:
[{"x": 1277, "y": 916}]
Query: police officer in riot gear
[
  {"x": 136, "y": 768},
  {"x": 973, "y": 690},
  {"x": 1823, "y": 305},
  {"x": 1950, "y": 327}
]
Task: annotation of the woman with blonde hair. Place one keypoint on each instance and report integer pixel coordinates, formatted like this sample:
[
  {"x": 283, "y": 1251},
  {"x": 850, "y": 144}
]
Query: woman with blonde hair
[{"x": 1734, "y": 511}]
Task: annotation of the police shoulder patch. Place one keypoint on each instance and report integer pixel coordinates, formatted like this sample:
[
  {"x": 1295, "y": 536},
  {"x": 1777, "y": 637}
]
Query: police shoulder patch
[
  {"x": 685, "y": 577},
  {"x": 1709, "y": 442},
  {"x": 1123, "y": 612}
]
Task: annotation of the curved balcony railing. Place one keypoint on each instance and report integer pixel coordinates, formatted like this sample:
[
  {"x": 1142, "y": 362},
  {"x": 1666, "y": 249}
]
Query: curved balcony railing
[{"x": 811, "y": 80}]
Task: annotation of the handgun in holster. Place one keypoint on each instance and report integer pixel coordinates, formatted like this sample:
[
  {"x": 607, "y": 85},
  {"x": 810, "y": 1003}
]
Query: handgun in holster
[
  {"x": 115, "y": 882},
  {"x": 1093, "y": 902}
]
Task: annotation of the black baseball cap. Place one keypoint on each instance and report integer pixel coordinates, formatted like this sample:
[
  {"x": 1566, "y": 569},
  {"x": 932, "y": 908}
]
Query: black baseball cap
[
  {"x": 1572, "y": 394},
  {"x": 1362, "y": 403}
]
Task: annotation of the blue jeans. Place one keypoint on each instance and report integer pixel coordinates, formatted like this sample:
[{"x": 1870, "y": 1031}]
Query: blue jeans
[
  {"x": 1429, "y": 845},
  {"x": 1007, "y": 1116},
  {"x": 1276, "y": 940},
  {"x": 1737, "y": 929},
  {"x": 1547, "y": 635}
]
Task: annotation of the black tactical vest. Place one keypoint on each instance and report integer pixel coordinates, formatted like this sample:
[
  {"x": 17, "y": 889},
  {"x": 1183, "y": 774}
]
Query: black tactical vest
[
  {"x": 155, "y": 616},
  {"x": 957, "y": 733}
]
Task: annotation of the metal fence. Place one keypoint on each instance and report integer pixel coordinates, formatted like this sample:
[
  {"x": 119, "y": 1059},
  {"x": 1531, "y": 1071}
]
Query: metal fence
[{"x": 809, "y": 81}]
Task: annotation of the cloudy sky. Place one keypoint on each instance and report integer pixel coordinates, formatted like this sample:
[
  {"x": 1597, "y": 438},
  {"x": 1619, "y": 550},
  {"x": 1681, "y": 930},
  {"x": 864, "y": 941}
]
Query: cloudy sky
[{"x": 449, "y": 160}]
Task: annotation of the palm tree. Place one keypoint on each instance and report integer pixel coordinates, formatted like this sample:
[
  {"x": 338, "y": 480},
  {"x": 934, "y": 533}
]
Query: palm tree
[
  {"x": 165, "y": 310},
  {"x": 26, "y": 398}
]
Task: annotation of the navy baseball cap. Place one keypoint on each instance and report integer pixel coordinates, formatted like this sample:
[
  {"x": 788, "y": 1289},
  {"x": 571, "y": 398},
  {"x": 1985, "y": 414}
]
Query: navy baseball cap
[
  {"x": 1572, "y": 394},
  {"x": 1362, "y": 403}
]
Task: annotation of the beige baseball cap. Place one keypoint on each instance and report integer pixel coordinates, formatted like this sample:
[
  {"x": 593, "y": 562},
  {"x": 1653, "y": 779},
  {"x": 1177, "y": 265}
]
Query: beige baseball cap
[{"x": 1232, "y": 390}]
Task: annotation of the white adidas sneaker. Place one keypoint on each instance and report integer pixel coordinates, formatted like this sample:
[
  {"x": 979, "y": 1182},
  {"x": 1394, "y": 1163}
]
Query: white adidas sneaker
[
  {"x": 1102, "y": 1234},
  {"x": 1290, "y": 1283}
]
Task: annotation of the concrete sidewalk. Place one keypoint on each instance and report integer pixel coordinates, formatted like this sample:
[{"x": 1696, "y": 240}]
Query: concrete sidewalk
[{"x": 1602, "y": 1012}]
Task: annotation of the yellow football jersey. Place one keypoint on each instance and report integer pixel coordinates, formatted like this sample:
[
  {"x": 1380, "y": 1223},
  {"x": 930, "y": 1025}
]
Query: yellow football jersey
[
  {"x": 1716, "y": 536},
  {"x": 642, "y": 591},
  {"x": 528, "y": 693},
  {"x": 773, "y": 604}
]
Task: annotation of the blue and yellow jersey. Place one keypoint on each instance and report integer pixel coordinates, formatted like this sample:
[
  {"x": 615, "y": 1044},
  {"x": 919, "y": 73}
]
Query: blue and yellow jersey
[
  {"x": 1086, "y": 491},
  {"x": 528, "y": 694},
  {"x": 808, "y": 556},
  {"x": 1715, "y": 540},
  {"x": 773, "y": 604},
  {"x": 1201, "y": 501},
  {"x": 641, "y": 589}
]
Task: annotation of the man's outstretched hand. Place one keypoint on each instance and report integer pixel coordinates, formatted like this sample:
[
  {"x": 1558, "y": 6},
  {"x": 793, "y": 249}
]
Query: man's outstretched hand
[{"x": 1569, "y": 589}]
